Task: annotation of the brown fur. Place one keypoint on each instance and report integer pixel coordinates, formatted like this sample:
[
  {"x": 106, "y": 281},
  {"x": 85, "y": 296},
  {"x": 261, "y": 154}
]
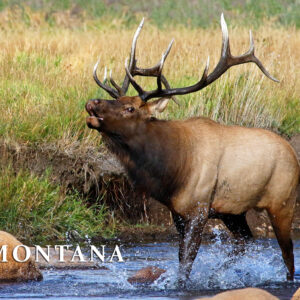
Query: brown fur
[
  {"x": 13, "y": 270},
  {"x": 198, "y": 167}
]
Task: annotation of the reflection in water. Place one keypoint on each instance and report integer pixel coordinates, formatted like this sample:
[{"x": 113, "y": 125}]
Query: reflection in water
[{"x": 214, "y": 269}]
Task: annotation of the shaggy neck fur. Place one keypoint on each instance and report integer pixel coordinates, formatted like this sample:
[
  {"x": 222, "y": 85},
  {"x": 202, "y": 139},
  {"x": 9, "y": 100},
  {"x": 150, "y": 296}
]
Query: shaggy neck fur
[{"x": 152, "y": 153}]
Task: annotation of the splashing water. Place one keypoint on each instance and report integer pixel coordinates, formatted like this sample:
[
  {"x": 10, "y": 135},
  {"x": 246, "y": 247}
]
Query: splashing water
[{"x": 215, "y": 268}]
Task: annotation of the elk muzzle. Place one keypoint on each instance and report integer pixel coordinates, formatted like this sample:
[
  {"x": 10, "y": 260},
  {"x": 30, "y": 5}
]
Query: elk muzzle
[{"x": 93, "y": 121}]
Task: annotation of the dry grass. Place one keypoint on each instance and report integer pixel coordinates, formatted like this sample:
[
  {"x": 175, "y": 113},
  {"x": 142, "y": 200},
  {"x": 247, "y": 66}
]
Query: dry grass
[{"x": 46, "y": 76}]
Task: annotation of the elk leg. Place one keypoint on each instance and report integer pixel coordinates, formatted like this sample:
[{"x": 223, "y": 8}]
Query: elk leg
[
  {"x": 190, "y": 232},
  {"x": 238, "y": 225},
  {"x": 180, "y": 225},
  {"x": 281, "y": 221}
]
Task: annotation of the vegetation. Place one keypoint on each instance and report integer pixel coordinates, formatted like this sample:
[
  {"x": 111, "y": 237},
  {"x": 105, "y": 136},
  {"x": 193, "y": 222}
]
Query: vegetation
[
  {"x": 36, "y": 210},
  {"x": 48, "y": 49},
  {"x": 195, "y": 13}
]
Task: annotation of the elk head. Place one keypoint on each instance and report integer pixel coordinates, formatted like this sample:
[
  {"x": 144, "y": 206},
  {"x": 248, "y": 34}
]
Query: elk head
[{"x": 107, "y": 115}]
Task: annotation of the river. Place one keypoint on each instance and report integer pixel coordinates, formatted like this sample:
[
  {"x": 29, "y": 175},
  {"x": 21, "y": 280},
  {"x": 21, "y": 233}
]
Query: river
[{"x": 214, "y": 270}]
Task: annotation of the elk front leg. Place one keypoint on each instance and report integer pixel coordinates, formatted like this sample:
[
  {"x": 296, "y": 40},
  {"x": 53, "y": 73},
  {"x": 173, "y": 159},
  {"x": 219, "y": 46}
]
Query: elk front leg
[{"x": 190, "y": 231}]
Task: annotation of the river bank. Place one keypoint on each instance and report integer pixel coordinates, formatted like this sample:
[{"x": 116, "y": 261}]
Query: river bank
[{"x": 98, "y": 178}]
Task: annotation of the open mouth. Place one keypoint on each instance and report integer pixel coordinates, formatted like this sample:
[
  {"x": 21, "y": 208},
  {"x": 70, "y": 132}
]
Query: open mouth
[
  {"x": 92, "y": 121},
  {"x": 89, "y": 109}
]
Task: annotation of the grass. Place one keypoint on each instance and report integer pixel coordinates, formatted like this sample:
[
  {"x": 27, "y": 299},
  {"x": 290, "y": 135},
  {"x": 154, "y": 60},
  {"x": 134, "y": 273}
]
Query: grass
[
  {"x": 195, "y": 13},
  {"x": 46, "y": 78},
  {"x": 35, "y": 210}
]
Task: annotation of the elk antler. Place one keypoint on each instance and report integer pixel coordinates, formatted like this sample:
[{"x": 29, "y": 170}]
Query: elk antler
[
  {"x": 133, "y": 70},
  {"x": 226, "y": 61}
]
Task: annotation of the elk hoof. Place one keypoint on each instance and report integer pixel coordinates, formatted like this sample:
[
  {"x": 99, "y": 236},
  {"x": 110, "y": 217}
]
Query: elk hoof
[{"x": 181, "y": 284}]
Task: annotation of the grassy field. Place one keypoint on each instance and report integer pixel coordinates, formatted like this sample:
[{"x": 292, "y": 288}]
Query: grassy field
[{"x": 48, "y": 49}]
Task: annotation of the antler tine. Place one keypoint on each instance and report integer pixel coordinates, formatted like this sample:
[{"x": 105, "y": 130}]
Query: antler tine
[
  {"x": 164, "y": 56},
  {"x": 133, "y": 82},
  {"x": 227, "y": 60},
  {"x": 133, "y": 46},
  {"x": 105, "y": 75},
  {"x": 132, "y": 57},
  {"x": 205, "y": 72},
  {"x": 113, "y": 93},
  {"x": 257, "y": 61},
  {"x": 167, "y": 86},
  {"x": 115, "y": 85},
  {"x": 161, "y": 65},
  {"x": 225, "y": 38},
  {"x": 153, "y": 71}
]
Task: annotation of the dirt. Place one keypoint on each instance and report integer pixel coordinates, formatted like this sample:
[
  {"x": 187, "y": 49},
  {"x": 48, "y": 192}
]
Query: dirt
[
  {"x": 93, "y": 173},
  {"x": 97, "y": 175}
]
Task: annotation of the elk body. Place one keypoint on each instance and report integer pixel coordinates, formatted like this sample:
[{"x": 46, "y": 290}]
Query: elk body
[{"x": 197, "y": 167}]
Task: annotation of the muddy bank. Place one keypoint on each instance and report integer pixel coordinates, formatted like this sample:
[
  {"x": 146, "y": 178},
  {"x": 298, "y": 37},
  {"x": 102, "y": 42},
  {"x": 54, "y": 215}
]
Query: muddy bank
[{"x": 97, "y": 174}]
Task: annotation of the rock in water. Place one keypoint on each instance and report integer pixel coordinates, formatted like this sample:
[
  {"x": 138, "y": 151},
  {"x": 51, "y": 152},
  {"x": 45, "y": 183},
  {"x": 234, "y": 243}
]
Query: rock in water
[
  {"x": 146, "y": 275},
  {"x": 244, "y": 294},
  {"x": 13, "y": 270}
]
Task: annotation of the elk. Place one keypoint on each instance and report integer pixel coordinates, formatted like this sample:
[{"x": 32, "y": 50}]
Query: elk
[{"x": 197, "y": 167}]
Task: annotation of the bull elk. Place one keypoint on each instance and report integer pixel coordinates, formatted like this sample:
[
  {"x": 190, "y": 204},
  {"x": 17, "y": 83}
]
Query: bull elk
[{"x": 198, "y": 168}]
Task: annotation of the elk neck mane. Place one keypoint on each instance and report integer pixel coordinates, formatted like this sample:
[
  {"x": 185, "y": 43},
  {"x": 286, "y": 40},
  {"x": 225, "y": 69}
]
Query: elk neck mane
[{"x": 156, "y": 157}]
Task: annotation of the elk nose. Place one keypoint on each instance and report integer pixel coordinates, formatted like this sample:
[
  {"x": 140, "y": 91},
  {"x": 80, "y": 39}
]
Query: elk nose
[
  {"x": 89, "y": 106},
  {"x": 91, "y": 103}
]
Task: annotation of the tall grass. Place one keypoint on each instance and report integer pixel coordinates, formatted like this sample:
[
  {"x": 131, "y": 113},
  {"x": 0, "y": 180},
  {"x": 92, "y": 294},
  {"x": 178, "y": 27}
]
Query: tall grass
[
  {"x": 46, "y": 77},
  {"x": 35, "y": 210}
]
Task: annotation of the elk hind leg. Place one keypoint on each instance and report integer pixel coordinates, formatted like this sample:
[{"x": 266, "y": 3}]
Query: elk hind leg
[
  {"x": 238, "y": 225},
  {"x": 281, "y": 220}
]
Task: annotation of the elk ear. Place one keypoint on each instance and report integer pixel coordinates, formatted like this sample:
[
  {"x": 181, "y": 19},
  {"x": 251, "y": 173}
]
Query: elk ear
[{"x": 158, "y": 105}]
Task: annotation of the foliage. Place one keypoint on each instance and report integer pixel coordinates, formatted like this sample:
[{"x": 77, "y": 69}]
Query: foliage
[
  {"x": 36, "y": 210},
  {"x": 195, "y": 13}
]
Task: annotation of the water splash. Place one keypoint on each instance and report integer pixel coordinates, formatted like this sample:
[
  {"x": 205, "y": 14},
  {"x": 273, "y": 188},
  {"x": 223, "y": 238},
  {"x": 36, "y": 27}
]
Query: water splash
[{"x": 216, "y": 267}]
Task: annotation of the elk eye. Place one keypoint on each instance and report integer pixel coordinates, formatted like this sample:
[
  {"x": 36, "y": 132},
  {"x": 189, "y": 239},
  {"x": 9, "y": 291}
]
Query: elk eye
[{"x": 130, "y": 109}]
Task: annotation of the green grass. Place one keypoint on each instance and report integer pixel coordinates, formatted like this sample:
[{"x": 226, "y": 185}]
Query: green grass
[
  {"x": 36, "y": 210},
  {"x": 197, "y": 13}
]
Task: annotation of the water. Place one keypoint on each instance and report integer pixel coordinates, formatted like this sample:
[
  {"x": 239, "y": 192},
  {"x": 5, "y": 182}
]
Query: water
[{"x": 213, "y": 271}]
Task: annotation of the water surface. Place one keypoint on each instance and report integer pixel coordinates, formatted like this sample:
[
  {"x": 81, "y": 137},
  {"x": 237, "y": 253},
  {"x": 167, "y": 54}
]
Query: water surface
[{"x": 214, "y": 270}]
